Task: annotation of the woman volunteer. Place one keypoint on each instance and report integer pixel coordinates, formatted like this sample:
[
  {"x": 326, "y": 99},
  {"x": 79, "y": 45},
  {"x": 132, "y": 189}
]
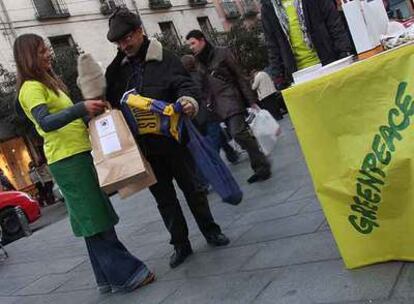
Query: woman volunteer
[{"x": 42, "y": 95}]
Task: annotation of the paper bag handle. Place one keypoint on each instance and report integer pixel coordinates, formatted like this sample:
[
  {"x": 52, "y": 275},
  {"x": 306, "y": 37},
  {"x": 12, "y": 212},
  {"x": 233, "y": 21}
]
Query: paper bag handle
[{"x": 108, "y": 106}]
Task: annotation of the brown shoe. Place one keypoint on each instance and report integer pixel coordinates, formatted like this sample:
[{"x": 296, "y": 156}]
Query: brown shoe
[{"x": 148, "y": 280}]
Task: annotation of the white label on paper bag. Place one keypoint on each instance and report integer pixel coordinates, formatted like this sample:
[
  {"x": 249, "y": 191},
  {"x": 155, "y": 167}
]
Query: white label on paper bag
[
  {"x": 105, "y": 126},
  {"x": 110, "y": 143}
]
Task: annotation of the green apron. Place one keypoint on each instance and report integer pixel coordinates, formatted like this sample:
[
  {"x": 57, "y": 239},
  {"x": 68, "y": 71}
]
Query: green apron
[{"x": 89, "y": 208}]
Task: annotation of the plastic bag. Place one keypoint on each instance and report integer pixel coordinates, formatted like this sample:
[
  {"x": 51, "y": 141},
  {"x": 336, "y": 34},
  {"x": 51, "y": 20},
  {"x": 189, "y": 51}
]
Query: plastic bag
[
  {"x": 265, "y": 128},
  {"x": 212, "y": 166}
]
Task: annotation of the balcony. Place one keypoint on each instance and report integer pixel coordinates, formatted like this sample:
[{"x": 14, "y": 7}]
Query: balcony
[
  {"x": 197, "y": 2},
  {"x": 50, "y": 9},
  {"x": 109, "y": 6},
  {"x": 249, "y": 8},
  {"x": 159, "y": 4},
  {"x": 230, "y": 9}
]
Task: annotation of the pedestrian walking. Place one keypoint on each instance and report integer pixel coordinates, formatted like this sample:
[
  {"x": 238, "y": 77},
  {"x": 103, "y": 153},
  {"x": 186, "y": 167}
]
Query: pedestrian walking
[
  {"x": 144, "y": 65},
  {"x": 302, "y": 33},
  {"x": 230, "y": 92},
  {"x": 43, "y": 181},
  {"x": 269, "y": 97},
  {"x": 43, "y": 98},
  {"x": 208, "y": 122}
]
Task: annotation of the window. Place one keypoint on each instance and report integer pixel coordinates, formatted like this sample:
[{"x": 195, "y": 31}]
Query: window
[
  {"x": 50, "y": 9},
  {"x": 63, "y": 41},
  {"x": 197, "y": 2},
  {"x": 109, "y": 6},
  {"x": 160, "y": 4},
  {"x": 205, "y": 25},
  {"x": 169, "y": 32},
  {"x": 230, "y": 9}
]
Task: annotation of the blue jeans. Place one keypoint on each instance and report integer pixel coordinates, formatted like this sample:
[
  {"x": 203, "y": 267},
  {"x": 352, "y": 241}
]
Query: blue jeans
[
  {"x": 213, "y": 134},
  {"x": 112, "y": 263}
]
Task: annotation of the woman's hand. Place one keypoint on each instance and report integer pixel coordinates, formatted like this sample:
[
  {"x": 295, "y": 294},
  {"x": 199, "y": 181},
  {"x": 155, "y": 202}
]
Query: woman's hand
[{"x": 94, "y": 107}]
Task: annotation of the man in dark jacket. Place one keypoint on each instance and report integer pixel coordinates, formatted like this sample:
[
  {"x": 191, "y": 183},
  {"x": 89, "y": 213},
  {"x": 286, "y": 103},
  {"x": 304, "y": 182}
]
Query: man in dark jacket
[
  {"x": 301, "y": 33},
  {"x": 229, "y": 92},
  {"x": 206, "y": 120},
  {"x": 156, "y": 73}
]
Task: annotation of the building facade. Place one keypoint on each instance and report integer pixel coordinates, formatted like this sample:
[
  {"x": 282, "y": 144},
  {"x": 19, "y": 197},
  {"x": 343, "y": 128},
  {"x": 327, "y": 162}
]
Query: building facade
[
  {"x": 231, "y": 11},
  {"x": 84, "y": 23}
]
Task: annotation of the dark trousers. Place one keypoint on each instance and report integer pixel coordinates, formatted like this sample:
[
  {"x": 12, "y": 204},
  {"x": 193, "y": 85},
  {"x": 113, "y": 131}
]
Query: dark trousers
[
  {"x": 112, "y": 263},
  {"x": 177, "y": 164},
  {"x": 240, "y": 131},
  {"x": 217, "y": 136},
  {"x": 45, "y": 191},
  {"x": 273, "y": 105}
]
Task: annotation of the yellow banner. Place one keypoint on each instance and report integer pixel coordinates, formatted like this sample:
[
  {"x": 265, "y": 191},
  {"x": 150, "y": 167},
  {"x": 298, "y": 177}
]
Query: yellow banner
[{"x": 356, "y": 130}]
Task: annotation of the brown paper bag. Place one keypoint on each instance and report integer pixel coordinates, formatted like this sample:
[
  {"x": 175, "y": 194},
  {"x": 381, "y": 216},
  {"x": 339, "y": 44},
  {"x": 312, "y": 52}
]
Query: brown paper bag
[{"x": 117, "y": 158}]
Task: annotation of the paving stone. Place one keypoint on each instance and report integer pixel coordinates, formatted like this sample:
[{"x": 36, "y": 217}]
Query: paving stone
[
  {"x": 78, "y": 281},
  {"x": 324, "y": 226},
  {"x": 229, "y": 289},
  {"x": 160, "y": 267},
  {"x": 220, "y": 261},
  {"x": 264, "y": 200},
  {"x": 41, "y": 268},
  {"x": 199, "y": 243},
  {"x": 270, "y": 213},
  {"x": 8, "y": 300},
  {"x": 79, "y": 296},
  {"x": 10, "y": 285},
  {"x": 295, "y": 250},
  {"x": 311, "y": 205},
  {"x": 154, "y": 293},
  {"x": 281, "y": 228},
  {"x": 306, "y": 191},
  {"x": 386, "y": 301},
  {"x": 329, "y": 282},
  {"x": 44, "y": 285},
  {"x": 405, "y": 284},
  {"x": 148, "y": 251}
]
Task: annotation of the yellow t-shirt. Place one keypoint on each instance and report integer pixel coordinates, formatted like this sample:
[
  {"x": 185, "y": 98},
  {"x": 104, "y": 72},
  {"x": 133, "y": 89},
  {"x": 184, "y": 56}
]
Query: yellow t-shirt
[
  {"x": 305, "y": 56},
  {"x": 61, "y": 143}
]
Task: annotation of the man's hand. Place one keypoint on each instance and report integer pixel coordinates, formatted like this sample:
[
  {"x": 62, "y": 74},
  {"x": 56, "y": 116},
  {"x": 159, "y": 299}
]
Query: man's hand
[
  {"x": 188, "y": 108},
  {"x": 255, "y": 106},
  {"x": 94, "y": 107}
]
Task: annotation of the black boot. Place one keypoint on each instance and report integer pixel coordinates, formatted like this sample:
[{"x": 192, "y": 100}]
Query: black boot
[
  {"x": 180, "y": 254},
  {"x": 218, "y": 239},
  {"x": 259, "y": 176}
]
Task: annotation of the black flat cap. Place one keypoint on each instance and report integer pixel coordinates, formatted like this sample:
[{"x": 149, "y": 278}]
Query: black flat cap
[{"x": 121, "y": 22}]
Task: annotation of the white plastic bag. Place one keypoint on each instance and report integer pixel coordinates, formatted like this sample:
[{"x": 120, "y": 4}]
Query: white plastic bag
[{"x": 265, "y": 128}]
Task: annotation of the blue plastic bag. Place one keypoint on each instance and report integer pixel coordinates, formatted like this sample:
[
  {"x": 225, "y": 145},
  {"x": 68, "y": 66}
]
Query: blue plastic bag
[{"x": 212, "y": 166}]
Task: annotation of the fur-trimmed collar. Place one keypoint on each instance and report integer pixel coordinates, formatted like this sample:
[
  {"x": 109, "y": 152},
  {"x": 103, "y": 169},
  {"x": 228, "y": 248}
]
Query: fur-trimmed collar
[{"x": 154, "y": 52}]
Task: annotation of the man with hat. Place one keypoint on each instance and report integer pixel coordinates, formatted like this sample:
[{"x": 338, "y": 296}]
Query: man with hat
[{"x": 142, "y": 64}]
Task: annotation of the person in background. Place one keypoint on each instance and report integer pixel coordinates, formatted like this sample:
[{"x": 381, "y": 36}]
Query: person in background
[
  {"x": 267, "y": 94},
  {"x": 43, "y": 98},
  {"x": 145, "y": 65},
  {"x": 47, "y": 181},
  {"x": 35, "y": 178},
  {"x": 42, "y": 179},
  {"x": 230, "y": 91},
  {"x": 207, "y": 121},
  {"x": 302, "y": 33},
  {"x": 5, "y": 182}
]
